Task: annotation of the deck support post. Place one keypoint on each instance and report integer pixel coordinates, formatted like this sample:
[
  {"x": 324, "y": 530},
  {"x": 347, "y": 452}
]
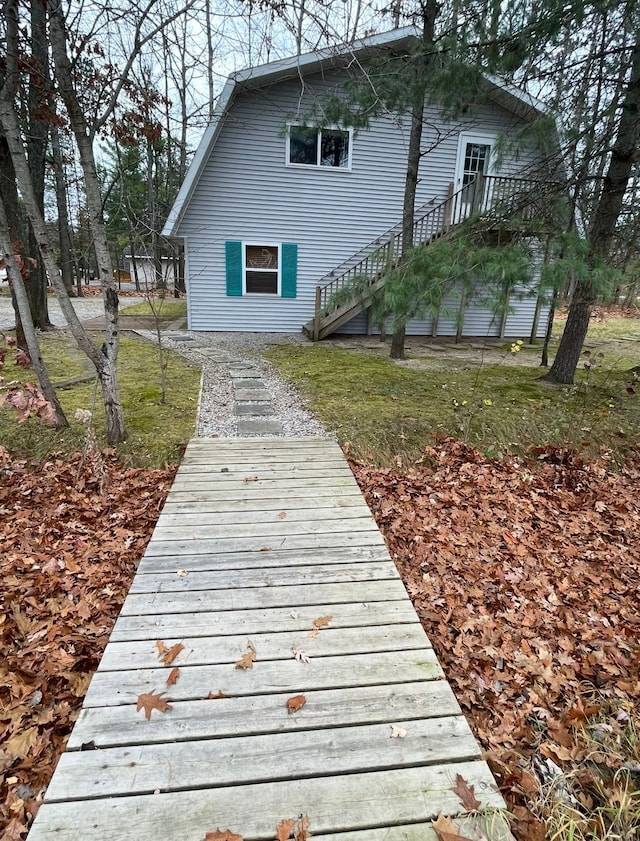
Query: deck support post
[{"x": 316, "y": 317}]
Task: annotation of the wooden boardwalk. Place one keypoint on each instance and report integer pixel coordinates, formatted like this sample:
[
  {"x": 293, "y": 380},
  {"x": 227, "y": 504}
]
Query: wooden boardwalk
[{"x": 259, "y": 539}]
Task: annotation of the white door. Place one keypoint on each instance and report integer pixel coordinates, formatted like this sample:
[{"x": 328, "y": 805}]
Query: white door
[{"x": 475, "y": 154}]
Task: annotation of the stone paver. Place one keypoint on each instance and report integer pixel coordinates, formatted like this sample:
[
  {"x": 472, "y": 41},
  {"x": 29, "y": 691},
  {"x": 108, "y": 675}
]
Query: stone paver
[
  {"x": 255, "y": 426},
  {"x": 254, "y": 409}
]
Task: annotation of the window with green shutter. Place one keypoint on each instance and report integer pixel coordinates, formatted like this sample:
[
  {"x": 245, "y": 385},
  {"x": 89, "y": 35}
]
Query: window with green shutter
[{"x": 261, "y": 268}]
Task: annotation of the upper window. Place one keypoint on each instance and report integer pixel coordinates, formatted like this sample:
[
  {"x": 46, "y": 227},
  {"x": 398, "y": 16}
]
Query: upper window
[
  {"x": 261, "y": 267},
  {"x": 326, "y": 147}
]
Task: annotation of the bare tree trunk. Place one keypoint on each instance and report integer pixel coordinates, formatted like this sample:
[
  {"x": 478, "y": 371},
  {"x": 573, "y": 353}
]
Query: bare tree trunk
[
  {"x": 37, "y": 134},
  {"x": 623, "y": 158},
  {"x": 17, "y": 284},
  {"x": 109, "y": 351},
  {"x": 429, "y": 10},
  {"x": 66, "y": 263}
]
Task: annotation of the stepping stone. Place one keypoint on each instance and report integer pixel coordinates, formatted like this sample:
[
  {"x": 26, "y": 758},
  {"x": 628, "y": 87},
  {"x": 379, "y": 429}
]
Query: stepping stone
[
  {"x": 247, "y": 395},
  {"x": 246, "y": 426},
  {"x": 248, "y": 383},
  {"x": 254, "y": 409}
]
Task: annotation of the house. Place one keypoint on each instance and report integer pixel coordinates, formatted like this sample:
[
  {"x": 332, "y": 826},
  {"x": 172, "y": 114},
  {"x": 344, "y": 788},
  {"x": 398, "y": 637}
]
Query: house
[
  {"x": 141, "y": 267},
  {"x": 275, "y": 214}
]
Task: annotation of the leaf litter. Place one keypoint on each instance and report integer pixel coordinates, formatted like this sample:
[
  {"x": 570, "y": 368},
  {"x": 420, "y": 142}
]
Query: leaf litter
[
  {"x": 527, "y": 589},
  {"x": 71, "y": 540}
]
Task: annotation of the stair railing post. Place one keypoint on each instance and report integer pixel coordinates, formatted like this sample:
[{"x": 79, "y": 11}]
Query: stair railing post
[
  {"x": 316, "y": 317},
  {"x": 448, "y": 208},
  {"x": 478, "y": 193}
]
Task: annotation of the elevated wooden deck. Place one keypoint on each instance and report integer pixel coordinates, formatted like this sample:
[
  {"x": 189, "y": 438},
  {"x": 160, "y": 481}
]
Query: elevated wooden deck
[{"x": 257, "y": 541}]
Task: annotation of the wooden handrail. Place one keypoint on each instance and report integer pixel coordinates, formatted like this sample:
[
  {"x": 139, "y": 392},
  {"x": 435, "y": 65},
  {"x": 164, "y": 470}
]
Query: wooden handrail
[{"x": 503, "y": 196}]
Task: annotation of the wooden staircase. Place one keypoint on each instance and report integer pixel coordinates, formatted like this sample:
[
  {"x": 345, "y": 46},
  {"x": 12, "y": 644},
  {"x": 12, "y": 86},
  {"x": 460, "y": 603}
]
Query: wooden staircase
[{"x": 488, "y": 202}]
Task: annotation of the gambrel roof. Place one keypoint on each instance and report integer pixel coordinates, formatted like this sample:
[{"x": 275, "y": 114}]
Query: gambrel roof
[{"x": 507, "y": 96}]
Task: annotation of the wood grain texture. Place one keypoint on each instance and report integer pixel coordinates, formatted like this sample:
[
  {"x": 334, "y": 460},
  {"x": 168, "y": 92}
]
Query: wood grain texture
[
  {"x": 237, "y": 565},
  {"x": 333, "y": 804},
  {"x": 255, "y": 714},
  {"x": 196, "y": 682}
]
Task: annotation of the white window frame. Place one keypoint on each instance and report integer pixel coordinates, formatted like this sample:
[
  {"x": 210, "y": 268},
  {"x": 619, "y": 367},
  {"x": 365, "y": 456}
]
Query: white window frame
[
  {"x": 261, "y": 244},
  {"x": 318, "y": 166}
]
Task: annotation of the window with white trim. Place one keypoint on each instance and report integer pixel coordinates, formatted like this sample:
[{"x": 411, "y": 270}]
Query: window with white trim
[
  {"x": 319, "y": 147},
  {"x": 262, "y": 269}
]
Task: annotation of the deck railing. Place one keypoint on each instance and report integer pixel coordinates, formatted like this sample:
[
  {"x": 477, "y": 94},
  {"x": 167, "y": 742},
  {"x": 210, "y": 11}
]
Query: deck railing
[{"x": 496, "y": 198}]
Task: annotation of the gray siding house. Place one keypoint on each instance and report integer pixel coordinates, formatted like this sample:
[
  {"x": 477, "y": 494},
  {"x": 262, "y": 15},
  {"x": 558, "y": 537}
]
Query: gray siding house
[{"x": 271, "y": 209}]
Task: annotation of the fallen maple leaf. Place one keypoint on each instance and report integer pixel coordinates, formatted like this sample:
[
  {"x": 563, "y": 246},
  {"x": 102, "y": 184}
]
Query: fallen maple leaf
[
  {"x": 168, "y": 655},
  {"x": 300, "y": 655},
  {"x": 397, "y": 732},
  {"x": 174, "y": 674},
  {"x": 222, "y": 835},
  {"x": 295, "y": 703},
  {"x": 446, "y": 830},
  {"x": 248, "y": 659},
  {"x": 152, "y": 701},
  {"x": 466, "y": 794},
  {"x": 218, "y": 694},
  {"x": 283, "y": 830}
]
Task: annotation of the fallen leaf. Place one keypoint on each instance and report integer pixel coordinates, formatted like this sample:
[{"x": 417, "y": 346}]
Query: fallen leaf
[
  {"x": 265, "y": 549},
  {"x": 295, "y": 703},
  {"x": 248, "y": 659},
  {"x": 320, "y": 623},
  {"x": 168, "y": 655},
  {"x": 174, "y": 674},
  {"x": 397, "y": 732},
  {"x": 282, "y": 515},
  {"x": 152, "y": 701},
  {"x": 446, "y": 830},
  {"x": 251, "y": 479},
  {"x": 300, "y": 655},
  {"x": 466, "y": 793},
  {"x": 301, "y": 829},
  {"x": 222, "y": 835},
  {"x": 283, "y": 830},
  {"x": 19, "y": 745},
  {"x": 182, "y": 573},
  {"x": 218, "y": 694}
]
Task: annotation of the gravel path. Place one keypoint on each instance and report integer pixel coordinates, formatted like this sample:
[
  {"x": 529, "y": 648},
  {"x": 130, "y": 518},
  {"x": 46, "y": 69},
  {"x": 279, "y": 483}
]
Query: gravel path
[{"x": 218, "y": 354}]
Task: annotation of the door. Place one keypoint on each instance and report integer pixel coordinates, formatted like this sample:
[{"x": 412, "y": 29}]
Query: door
[{"x": 474, "y": 158}]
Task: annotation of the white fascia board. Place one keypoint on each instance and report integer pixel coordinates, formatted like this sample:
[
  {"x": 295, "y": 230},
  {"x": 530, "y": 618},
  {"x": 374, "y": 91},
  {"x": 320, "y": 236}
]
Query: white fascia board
[{"x": 199, "y": 160}]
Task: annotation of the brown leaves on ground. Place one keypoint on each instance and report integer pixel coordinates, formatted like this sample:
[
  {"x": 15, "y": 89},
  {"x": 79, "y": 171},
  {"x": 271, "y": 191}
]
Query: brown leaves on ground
[
  {"x": 319, "y": 623},
  {"x": 446, "y": 830},
  {"x": 222, "y": 835},
  {"x": 174, "y": 674},
  {"x": 466, "y": 793},
  {"x": 295, "y": 703},
  {"x": 298, "y": 829},
  {"x": 168, "y": 655},
  {"x": 149, "y": 701},
  {"x": 524, "y": 574},
  {"x": 248, "y": 659},
  {"x": 68, "y": 556}
]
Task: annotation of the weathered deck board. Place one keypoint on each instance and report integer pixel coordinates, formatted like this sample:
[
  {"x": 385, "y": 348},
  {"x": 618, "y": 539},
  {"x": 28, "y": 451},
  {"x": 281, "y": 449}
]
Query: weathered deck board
[{"x": 233, "y": 561}]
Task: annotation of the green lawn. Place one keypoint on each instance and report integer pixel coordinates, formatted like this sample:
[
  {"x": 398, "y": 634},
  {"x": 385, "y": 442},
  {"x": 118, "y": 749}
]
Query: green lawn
[
  {"x": 496, "y": 400},
  {"x": 159, "y": 307},
  {"x": 156, "y": 431}
]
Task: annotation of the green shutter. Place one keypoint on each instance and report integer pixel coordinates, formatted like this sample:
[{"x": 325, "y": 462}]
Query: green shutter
[
  {"x": 289, "y": 255},
  {"x": 233, "y": 262}
]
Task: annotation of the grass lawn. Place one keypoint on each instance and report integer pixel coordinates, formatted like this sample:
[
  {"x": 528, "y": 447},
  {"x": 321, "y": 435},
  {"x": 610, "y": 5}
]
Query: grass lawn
[
  {"x": 161, "y": 308},
  {"x": 156, "y": 431},
  {"x": 493, "y": 399}
]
